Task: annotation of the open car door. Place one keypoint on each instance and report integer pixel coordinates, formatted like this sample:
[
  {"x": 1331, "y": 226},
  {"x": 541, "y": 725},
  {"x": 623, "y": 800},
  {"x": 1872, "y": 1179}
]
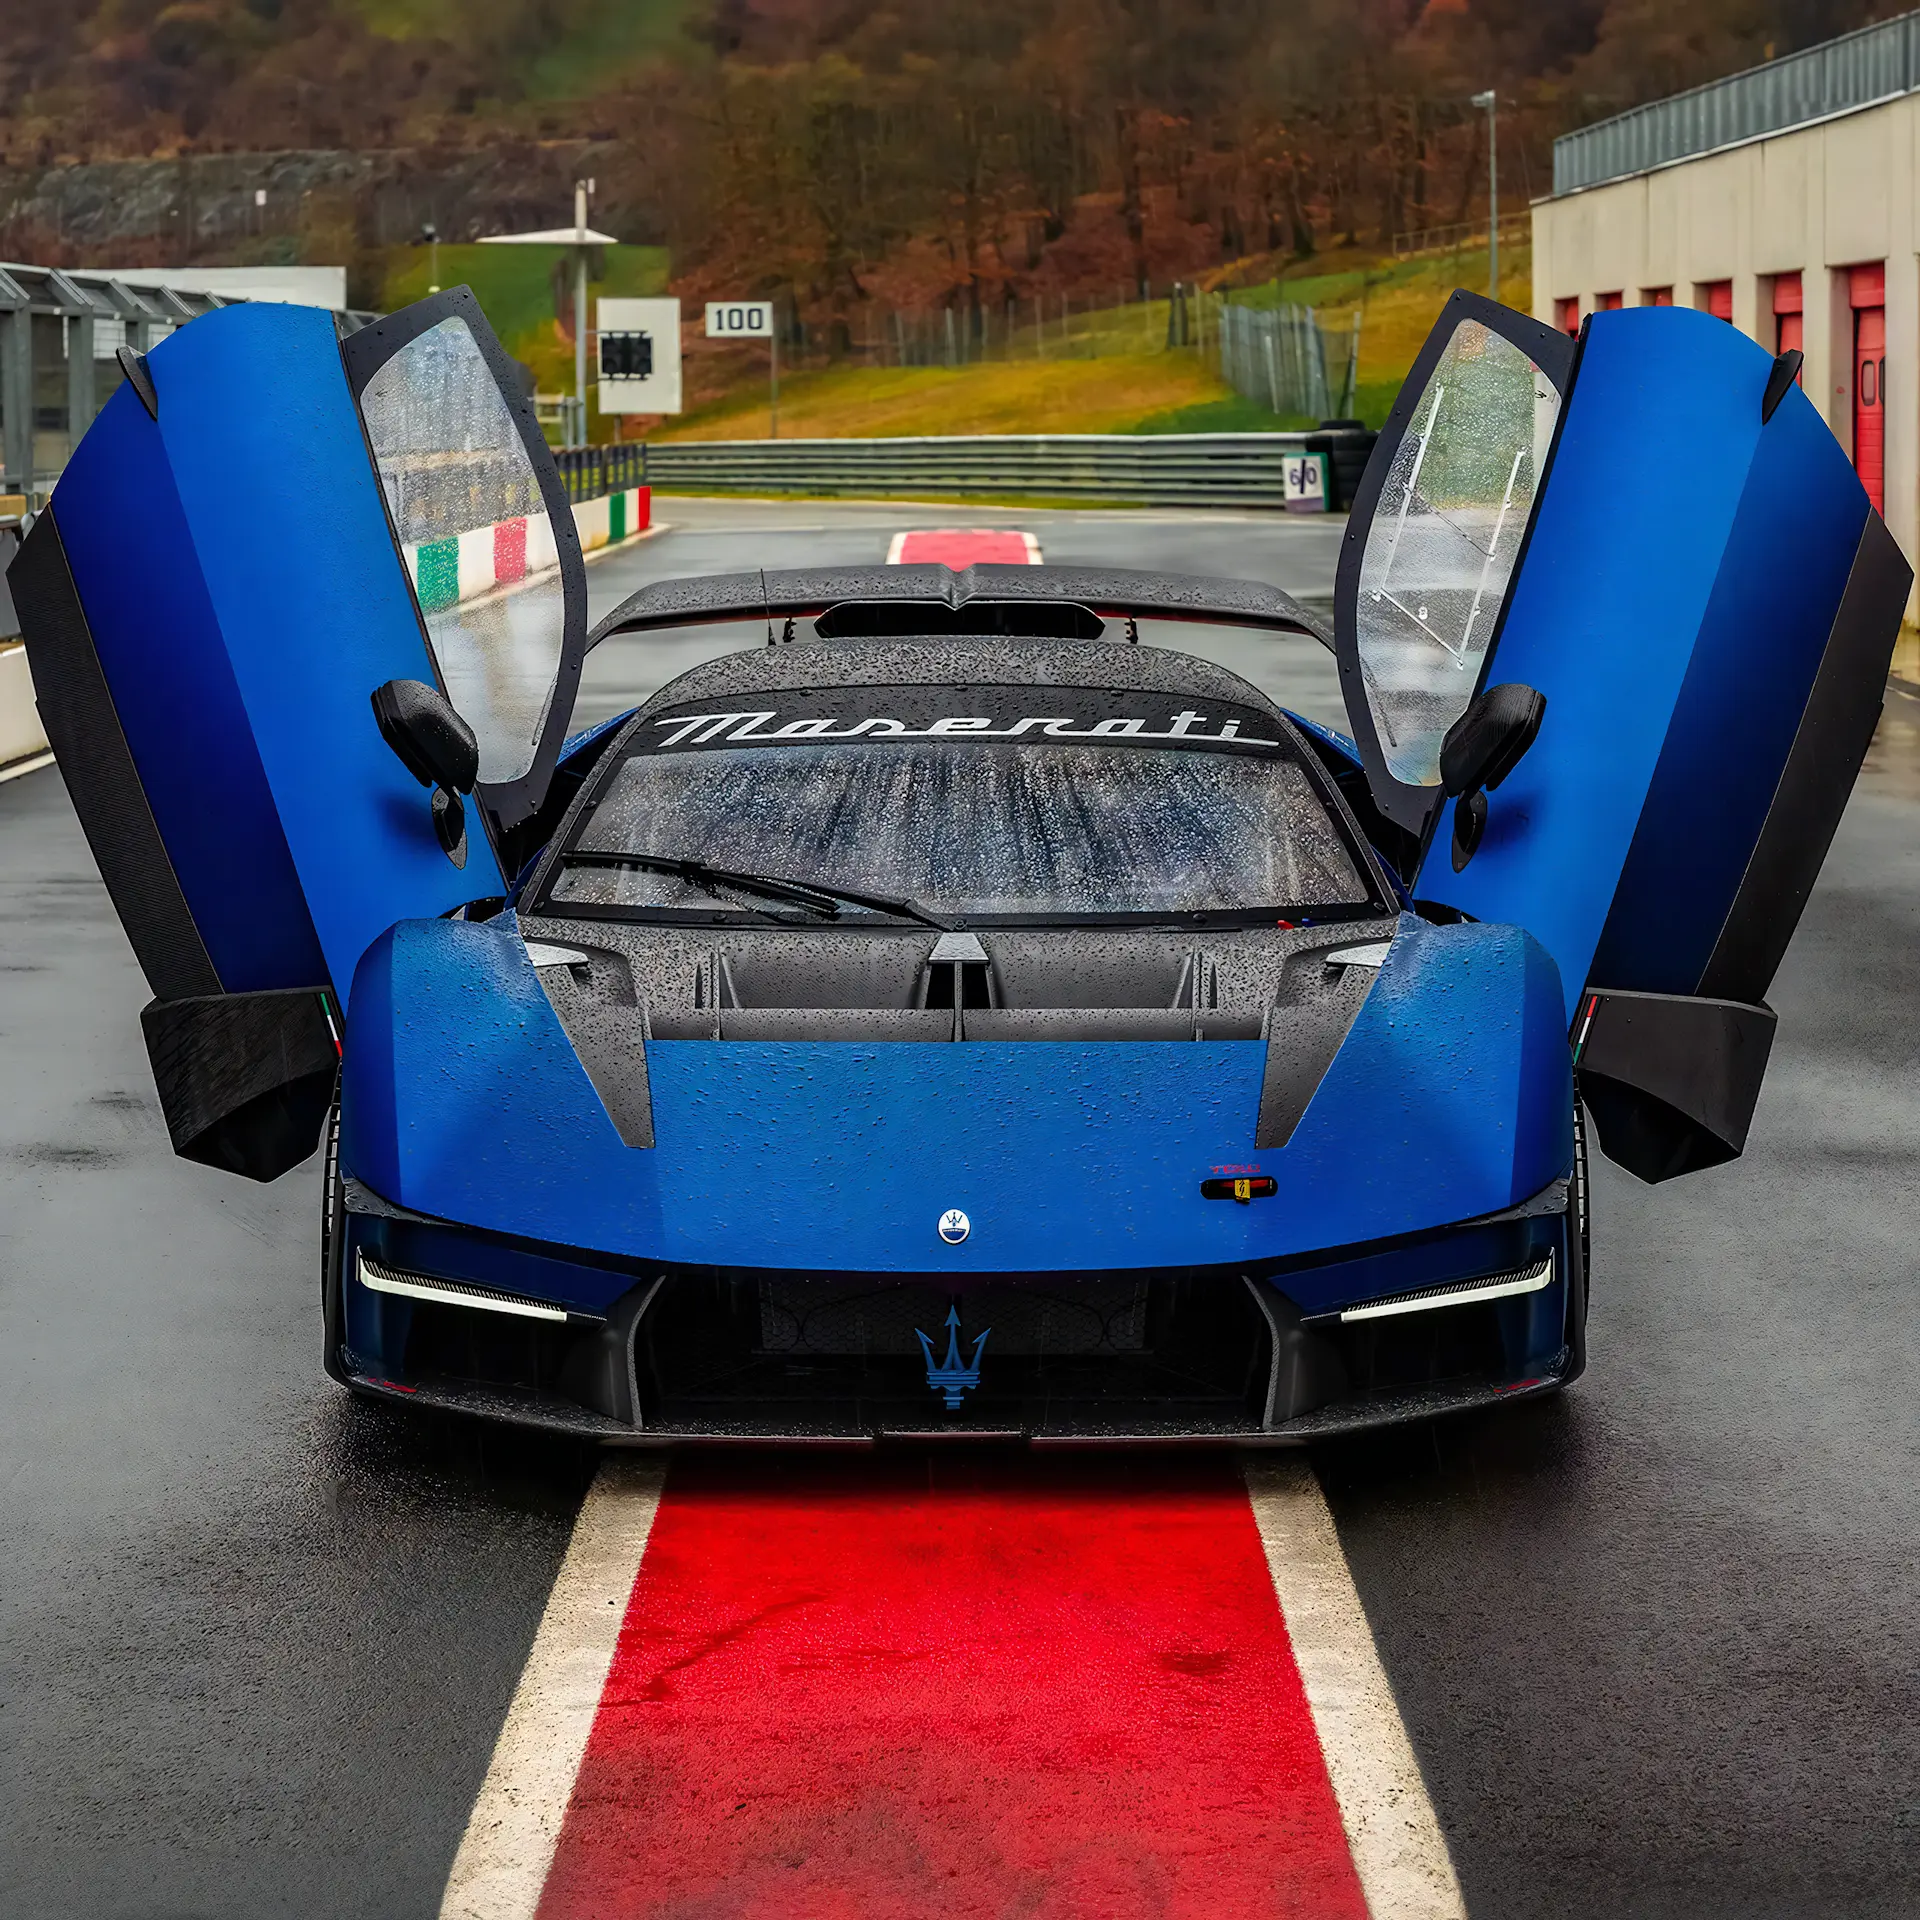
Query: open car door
[
  {"x": 1655, "y": 531},
  {"x": 265, "y": 525}
]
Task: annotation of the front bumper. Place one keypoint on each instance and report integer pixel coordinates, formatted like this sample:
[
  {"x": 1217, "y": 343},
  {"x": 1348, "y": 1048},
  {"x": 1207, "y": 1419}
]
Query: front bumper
[{"x": 550, "y": 1338}]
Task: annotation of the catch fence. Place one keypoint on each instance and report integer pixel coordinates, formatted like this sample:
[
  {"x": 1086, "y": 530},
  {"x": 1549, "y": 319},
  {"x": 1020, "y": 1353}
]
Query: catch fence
[{"x": 1288, "y": 359}]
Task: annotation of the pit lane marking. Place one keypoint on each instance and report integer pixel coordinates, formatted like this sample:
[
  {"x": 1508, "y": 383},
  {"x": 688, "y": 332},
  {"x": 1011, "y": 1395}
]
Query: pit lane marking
[
  {"x": 1398, "y": 1853},
  {"x": 959, "y": 547},
  {"x": 515, "y": 1825},
  {"x": 1392, "y": 1830}
]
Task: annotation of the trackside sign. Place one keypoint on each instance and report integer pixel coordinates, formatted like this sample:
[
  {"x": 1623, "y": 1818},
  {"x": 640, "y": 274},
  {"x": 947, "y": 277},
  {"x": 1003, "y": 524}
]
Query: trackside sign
[{"x": 739, "y": 319}]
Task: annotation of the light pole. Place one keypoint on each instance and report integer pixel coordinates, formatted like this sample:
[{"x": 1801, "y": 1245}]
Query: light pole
[
  {"x": 581, "y": 188},
  {"x": 431, "y": 235},
  {"x": 1489, "y": 100}
]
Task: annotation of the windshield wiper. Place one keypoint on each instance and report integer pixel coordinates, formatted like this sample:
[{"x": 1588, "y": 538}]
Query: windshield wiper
[{"x": 817, "y": 898}]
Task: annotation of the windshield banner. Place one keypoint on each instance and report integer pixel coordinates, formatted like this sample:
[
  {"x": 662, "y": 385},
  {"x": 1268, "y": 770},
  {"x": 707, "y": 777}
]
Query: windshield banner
[{"x": 1043, "y": 714}]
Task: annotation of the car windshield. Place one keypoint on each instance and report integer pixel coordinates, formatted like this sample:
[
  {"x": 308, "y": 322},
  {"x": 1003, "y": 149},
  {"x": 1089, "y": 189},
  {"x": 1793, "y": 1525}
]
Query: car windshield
[{"x": 1078, "y": 805}]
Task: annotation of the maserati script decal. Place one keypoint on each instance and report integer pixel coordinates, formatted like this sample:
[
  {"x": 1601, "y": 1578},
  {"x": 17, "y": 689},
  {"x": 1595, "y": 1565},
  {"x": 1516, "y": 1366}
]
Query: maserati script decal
[{"x": 753, "y": 729}]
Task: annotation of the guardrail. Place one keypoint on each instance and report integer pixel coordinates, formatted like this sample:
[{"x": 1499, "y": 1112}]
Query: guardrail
[{"x": 1187, "y": 469}]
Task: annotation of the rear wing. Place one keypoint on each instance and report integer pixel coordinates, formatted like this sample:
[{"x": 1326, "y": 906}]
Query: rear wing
[{"x": 983, "y": 599}]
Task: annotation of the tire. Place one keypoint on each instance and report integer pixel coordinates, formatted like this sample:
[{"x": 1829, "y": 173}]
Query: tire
[
  {"x": 333, "y": 1241},
  {"x": 1579, "y": 1216},
  {"x": 333, "y": 1200},
  {"x": 1579, "y": 1249}
]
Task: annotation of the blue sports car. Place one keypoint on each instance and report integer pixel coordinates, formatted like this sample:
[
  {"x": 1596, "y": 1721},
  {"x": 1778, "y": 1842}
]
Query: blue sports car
[{"x": 948, "y": 1015}]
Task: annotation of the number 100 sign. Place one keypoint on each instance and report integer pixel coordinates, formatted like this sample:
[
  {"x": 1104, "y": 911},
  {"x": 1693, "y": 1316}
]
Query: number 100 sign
[{"x": 739, "y": 319}]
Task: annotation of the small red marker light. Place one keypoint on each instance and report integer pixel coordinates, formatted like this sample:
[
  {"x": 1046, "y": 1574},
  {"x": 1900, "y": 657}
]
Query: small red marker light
[{"x": 1264, "y": 1187}]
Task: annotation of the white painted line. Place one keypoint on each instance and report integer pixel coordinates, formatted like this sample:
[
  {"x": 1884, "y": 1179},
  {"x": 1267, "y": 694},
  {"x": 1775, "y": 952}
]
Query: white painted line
[
  {"x": 896, "y": 546},
  {"x": 1395, "y": 1839},
  {"x": 507, "y": 1849}
]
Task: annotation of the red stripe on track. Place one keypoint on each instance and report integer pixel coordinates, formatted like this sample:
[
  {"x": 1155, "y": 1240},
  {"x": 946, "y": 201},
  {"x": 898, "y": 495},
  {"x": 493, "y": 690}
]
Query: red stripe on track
[
  {"x": 954, "y": 1686},
  {"x": 959, "y": 547}
]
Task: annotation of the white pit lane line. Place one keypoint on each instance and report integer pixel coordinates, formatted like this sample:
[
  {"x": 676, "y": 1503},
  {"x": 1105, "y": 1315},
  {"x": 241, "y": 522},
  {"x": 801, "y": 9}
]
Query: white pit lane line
[
  {"x": 1393, "y": 1833},
  {"x": 511, "y": 1834}
]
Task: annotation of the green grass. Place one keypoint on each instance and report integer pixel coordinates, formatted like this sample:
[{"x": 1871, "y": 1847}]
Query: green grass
[
  {"x": 514, "y": 285},
  {"x": 584, "y": 43},
  {"x": 1104, "y": 371},
  {"x": 1112, "y": 394},
  {"x": 515, "y": 288},
  {"x": 605, "y": 36},
  {"x": 1235, "y": 414}
]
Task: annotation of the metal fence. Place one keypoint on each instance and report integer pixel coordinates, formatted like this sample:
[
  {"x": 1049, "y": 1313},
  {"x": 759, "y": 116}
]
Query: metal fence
[
  {"x": 1875, "y": 63},
  {"x": 1288, "y": 360},
  {"x": 1197, "y": 469},
  {"x": 965, "y": 333}
]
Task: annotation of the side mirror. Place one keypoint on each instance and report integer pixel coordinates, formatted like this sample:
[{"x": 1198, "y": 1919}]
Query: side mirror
[
  {"x": 437, "y": 747},
  {"x": 1486, "y": 743},
  {"x": 1481, "y": 748},
  {"x": 433, "y": 743}
]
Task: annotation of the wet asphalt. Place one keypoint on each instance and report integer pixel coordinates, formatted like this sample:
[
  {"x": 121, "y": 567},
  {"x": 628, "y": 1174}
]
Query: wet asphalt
[{"x": 1654, "y": 1641}]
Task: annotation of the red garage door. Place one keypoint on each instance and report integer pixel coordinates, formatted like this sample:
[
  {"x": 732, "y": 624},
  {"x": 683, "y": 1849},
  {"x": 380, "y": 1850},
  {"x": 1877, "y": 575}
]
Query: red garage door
[
  {"x": 1788, "y": 313},
  {"x": 1867, "y": 287},
  {"x": 1566, "y": 315},
  {"x": 1716, "y": 298}
]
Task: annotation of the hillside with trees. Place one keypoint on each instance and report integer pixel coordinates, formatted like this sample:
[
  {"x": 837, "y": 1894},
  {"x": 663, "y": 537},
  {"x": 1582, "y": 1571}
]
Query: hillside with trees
[{"x": 848, "y": 156}]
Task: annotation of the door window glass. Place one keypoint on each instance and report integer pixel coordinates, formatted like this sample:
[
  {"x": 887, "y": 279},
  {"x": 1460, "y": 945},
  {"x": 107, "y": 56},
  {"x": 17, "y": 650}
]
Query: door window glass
[
  {"x": 1445, "y": 537},
  {"x": 467, "y": 507}
]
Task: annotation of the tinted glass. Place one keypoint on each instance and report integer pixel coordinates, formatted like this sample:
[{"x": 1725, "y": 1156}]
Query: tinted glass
[
  {"x": 1077, "y": 815},
  {"x": 468, "y": 509},
  {"x": 1445, "y": 536}
]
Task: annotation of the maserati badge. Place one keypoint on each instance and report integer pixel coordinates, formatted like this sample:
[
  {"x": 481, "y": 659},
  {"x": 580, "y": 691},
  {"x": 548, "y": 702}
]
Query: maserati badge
[
  {"x": 952, "y": 1377},
  {"x": 954, "y": 1226}
]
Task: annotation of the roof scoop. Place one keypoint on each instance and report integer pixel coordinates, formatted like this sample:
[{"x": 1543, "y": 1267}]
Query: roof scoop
[{"x": 936, "y": 619}]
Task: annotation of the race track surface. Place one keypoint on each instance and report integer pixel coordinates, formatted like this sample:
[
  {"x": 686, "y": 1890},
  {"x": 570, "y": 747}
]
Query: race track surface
[{"x": 1650, "y": 1643}]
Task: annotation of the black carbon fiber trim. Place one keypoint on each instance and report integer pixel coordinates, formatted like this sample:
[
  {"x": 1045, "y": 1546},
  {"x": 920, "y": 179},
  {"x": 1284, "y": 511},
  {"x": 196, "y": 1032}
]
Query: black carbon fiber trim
[
  {"x": 1311, "y": 1017},
  {"x": 610, "y": 1043},
  {"x": 1671, "y": 1079},
  {"x": 76, "y": 708},
  {"x": 1841, "y": 713},
  {"x": 245, "y": 1079}
]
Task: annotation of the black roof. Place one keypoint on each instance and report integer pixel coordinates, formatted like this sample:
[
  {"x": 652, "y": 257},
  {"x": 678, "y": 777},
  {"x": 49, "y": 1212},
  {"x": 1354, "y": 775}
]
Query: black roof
[
  {"x": 806, "y": 666},
  {"x": 1110, "y": 592}
]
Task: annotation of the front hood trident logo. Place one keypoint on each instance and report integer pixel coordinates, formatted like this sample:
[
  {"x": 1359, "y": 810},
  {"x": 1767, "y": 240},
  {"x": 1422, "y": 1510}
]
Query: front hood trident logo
[{"x": 950, "y": 1377}]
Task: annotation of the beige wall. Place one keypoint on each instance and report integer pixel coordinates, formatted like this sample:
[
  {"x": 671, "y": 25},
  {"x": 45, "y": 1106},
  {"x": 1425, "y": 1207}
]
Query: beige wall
[
  {"x": 1815, "y": 201},
  {"x": 22, "y": 737}
]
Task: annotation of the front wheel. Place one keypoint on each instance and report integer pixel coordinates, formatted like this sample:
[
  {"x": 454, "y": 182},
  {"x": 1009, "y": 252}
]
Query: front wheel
[
  {"x": 1579, "y": 1247},
  {"x": 333, "y": 1241}
]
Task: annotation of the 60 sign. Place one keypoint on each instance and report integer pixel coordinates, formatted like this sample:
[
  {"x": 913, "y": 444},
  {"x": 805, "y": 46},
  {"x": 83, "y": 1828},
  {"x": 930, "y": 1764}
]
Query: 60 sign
[{"x": 739, "y": 320}]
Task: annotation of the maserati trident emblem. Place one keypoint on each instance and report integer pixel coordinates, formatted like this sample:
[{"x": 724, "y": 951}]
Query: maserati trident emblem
[
  {"x": 950, "y": 1378},
  {"x": 954, "y": 1226}
]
